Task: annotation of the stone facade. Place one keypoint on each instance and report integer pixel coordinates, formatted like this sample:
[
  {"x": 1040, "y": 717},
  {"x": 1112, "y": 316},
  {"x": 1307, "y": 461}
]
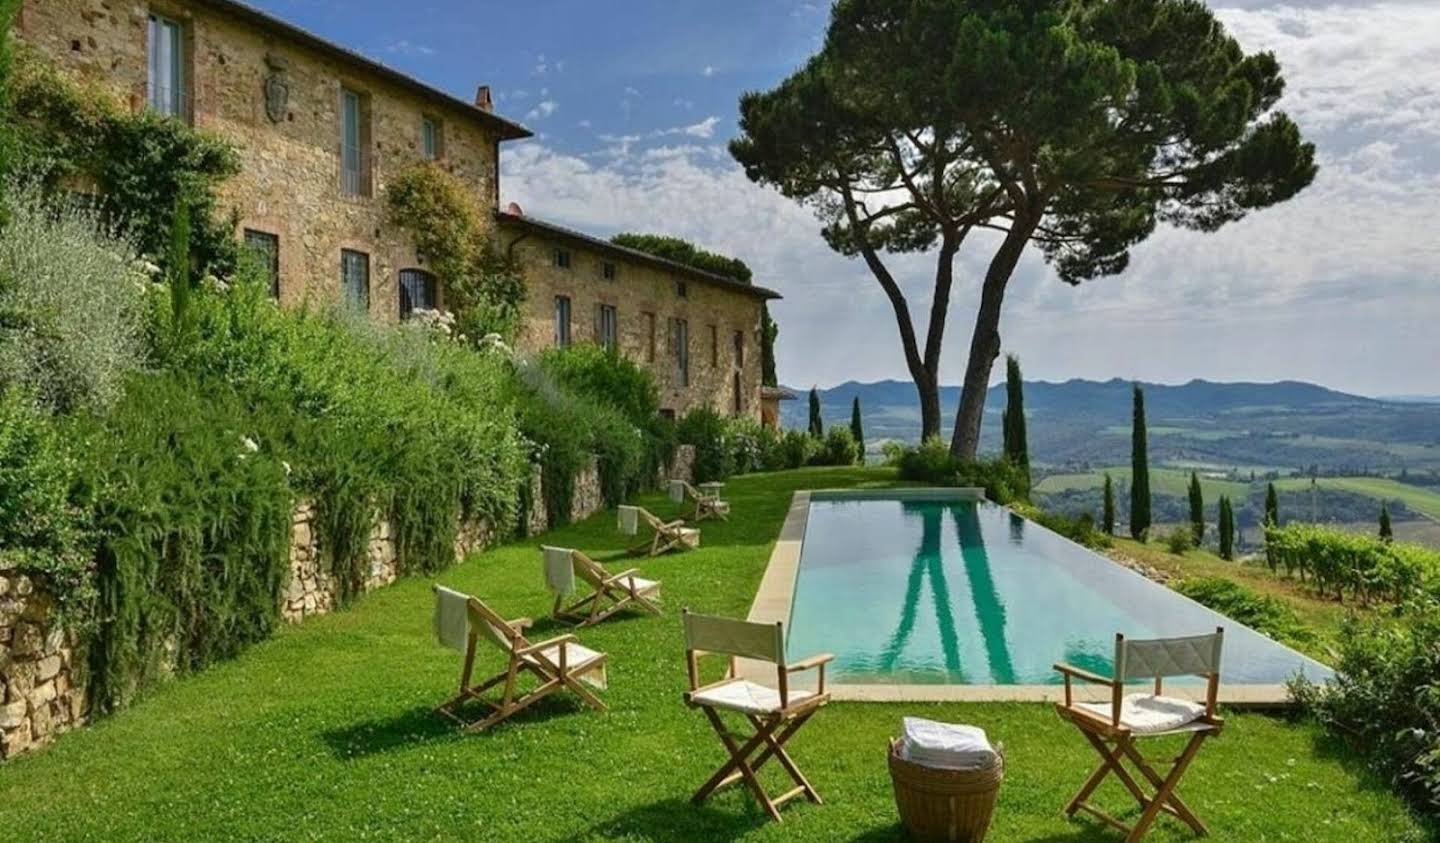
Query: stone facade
[
  {"x": 290, "y": 185},
  {"x": 276, "y": 92},
  {"x": 42, "y": 680},
  {"x": 722, "y": 319}
]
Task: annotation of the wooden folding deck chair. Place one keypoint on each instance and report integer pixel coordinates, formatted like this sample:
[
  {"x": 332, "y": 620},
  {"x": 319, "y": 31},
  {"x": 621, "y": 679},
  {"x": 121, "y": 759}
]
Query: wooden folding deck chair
[
  {"x": 610, "y": 592},
  {"x": 555, "y": 663},
  {"x": 776, "y": 713},
  {"x": 1113, "y": 727},
  {"x": 666, "y": 535},
  {"x": 707, "y": 503}
]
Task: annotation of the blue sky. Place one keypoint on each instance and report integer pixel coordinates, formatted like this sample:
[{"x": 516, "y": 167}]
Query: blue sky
[{"x": 633, "y": 102}]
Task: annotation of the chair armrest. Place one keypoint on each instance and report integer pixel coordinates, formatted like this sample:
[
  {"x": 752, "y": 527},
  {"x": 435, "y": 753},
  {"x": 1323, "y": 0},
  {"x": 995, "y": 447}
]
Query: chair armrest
[
  {"x": 520, "y": 624},
  {"x": 1070, "y": 670},
  {"x": 631, "y": 572},
  {"x": 674, "y": 525},
  {"x": 811, "y": 662},
  {"x": 546, "y": 644}
]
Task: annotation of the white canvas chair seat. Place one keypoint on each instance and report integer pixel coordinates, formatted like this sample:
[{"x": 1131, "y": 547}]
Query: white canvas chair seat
[
  {"x": 707, "y": 502},
  {"x": 1147, "y": 714},
  {"x": 580, "y": 661},
  {"x": 665, "y": 535},
  {"x": 609, "y": 593},
  {"x": 537, "y": 663},
  {"x": 775, "y": 714},
  {"x": 1114, "y": 728},
  {"x": 747, "y": 697}
]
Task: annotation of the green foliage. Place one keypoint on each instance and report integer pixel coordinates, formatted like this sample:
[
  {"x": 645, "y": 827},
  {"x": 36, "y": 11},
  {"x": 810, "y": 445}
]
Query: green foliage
[
  {"x": 1226, "y": 527},
  {"x": 1272, "y": 506},
  {"x": 139, "y": 166},
  {"x": 1016, "y": 447},
  {"x": 1197, "y": 510},
  {"x": 837, "y": 448},
  {"x": 685, "y": 252},
  {"x": 932, "y": 462},
  {"x": 1076, "y": 126},
  {"x": 769, "y": 333},
  {"x": 1340, "y": 563},
  {"x": 753, "y": 446},
  {"x": 1180, "y": 540},
  {"x": 1080, "y": 529},
  {"x": 797, "y": 448},
  {"x": 857, "y": 428},
  {"x": 8, "y": 11},
  {"x": 817, "y": 425},
  {"x": 1385, "y": 703},
  {"x": 706, "y": 430},
  {"x": 442, "y": 214},
  {"x": 1262, "y": 613},
  {"x": 71, "y": 306},
  {"x": 1107, "y": 517},
  {"x": 1386, "y": 532},
  {"x": 44, "y": 530},
  {"x": 1139, "y": 470},
  {"x": 194, "y": 514}
]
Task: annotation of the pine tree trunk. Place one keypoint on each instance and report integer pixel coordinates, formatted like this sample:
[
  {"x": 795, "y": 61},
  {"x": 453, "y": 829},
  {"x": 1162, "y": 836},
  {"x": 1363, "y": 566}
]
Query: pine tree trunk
[
  {"x": 929, "y": 388},
  {"x": 985, "y": 342}
]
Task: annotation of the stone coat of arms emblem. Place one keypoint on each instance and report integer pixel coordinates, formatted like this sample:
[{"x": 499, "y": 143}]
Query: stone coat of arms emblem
[{"x": 277, "y": 88}]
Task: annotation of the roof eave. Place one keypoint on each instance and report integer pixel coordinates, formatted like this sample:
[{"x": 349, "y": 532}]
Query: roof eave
[
  {"x": 560, "y": 231},
  {"x": 506, "y": 129}
]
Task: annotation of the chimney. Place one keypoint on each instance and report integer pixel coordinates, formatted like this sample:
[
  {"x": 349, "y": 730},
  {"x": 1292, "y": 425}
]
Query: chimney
[{"x": 482, "y": 98}]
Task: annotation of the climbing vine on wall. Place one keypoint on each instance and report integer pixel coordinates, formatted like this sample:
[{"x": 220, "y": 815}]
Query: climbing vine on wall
[{"x": 441, "y": 213}]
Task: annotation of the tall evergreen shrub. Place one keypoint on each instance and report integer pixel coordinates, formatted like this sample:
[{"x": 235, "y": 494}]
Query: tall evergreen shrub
[
  {"x": 1197, "y": 509},
  {"x": 1139, "y": 469},
  {"x": 817, "y": 426}
]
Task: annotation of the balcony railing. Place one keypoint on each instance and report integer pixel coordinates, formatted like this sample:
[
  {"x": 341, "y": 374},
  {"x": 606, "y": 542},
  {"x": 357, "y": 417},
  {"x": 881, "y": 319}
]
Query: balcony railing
[
  {"x": 170, "y": 102},
  {"x": 356, "y": 172}
]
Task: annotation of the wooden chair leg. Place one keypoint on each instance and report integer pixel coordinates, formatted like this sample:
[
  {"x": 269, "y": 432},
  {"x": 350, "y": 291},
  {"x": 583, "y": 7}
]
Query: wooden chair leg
[
  {"x": 775, "y": 747},
  {"x": 1165, "y": 796},
  {"x": 738, "y": 763}
]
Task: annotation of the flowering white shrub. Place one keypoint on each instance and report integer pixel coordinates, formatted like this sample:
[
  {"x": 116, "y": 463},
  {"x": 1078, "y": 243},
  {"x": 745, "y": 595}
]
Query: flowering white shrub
[{"x": 71, "y": 309}]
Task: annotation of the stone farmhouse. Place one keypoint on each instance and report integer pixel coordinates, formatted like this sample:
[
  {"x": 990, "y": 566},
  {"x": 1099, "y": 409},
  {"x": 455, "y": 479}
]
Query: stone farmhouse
[{"x": 320, "y": 128}]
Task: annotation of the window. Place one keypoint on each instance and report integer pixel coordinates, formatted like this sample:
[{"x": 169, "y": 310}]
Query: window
[
  {"x": 562, "y": 321},
  {"x": 354, "y": 144},
  {"x": 607, "y": 327},
  {"x": 267, "y": 249},
  {"x": 682, "y": 289},
  {"x": 432, "y": 139},
  {"x": 739, "y": 396},
  {"x": 607, "y": 270},
  {"x": 680, "y": 347},
  {"x": 714, "y": 347},
  {"x": 739, "y": 349},
  {"x": 649, "y": 337},
  {"x": 165, "y": 88},
  {"x": 355, "y": 278},
  {"x": 562, "y": 258},
  {"x": 417, "y": 291}
]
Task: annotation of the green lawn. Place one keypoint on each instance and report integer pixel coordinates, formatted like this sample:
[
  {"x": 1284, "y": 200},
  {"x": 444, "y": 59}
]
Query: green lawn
[
  {"x": 325, "y": 733},
  {"x": 1420, "y": 499}
]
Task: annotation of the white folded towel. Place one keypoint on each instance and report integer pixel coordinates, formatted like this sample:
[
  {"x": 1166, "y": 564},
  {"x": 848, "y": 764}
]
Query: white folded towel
[
  {"x": 452, "y": 618},
  {"x": 629, "y": 517},
  {"x": 677, "y": 491},
  {"x": 559, "y": 572},
  {"x": 945, "y": 746}
]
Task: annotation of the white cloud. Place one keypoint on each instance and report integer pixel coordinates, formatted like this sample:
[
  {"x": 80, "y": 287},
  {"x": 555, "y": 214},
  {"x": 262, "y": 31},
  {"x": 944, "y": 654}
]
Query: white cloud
[
  {"x": 681, "y": 102},
  {"x": 584, "y": 124},
  {"x": 705, "y": 129},
  {"x": 542, "y": 109},
  {"x": 404, "y": 47},
  {"x": 708, "y": 70}
]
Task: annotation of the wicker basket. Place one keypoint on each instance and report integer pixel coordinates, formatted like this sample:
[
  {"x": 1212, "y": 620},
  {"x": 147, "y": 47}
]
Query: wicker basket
[{"x": 945, "y": 806}]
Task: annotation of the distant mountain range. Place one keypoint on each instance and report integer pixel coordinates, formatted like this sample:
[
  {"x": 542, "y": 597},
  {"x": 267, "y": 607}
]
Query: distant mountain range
[{"x": 1285, "y": 425}]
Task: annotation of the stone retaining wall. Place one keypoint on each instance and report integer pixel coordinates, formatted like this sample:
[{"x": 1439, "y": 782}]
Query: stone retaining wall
[{"x": 42, "y": 681}]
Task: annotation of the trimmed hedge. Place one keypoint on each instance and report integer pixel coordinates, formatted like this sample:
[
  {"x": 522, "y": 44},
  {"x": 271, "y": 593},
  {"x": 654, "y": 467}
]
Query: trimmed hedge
[{"x": 1360, "y": 566}]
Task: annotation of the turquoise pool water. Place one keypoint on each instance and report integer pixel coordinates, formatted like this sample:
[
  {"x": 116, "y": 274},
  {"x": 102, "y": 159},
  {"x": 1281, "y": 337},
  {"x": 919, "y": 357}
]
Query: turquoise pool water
[{"x": 960, "y": 592}]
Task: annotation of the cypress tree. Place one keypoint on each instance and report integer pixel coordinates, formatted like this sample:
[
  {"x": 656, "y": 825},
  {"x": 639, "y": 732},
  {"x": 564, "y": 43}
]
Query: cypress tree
[
  {"x": 1108, "y": 515},
  {"x": 817, "y": 427},
  {"x": 1227, "y": 529},
  {"x": 857, "y": 430},
  {"x": 1017, "y": 449},
  {"x": 1272, "y": 506},
  {"x": 1197, "y": 509},
  {"x": 1386, "y": 534},
  {"x": 1139, "y": 471}
]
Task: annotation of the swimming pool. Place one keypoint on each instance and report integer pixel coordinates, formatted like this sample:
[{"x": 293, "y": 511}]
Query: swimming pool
[{"x": 910, "y": 589}]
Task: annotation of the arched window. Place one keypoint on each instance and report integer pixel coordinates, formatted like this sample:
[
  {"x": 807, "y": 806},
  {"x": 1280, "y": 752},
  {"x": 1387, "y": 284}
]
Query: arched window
[{"x": 417, "y": 291}]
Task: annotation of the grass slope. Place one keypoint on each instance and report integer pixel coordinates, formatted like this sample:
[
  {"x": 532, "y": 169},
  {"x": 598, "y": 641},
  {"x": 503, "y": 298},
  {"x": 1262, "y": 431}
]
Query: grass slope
[
  {"x": 1163, "y": 481},
  {"x": 1420, "y": 499},
  {"x": 325, "y": 733}
]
